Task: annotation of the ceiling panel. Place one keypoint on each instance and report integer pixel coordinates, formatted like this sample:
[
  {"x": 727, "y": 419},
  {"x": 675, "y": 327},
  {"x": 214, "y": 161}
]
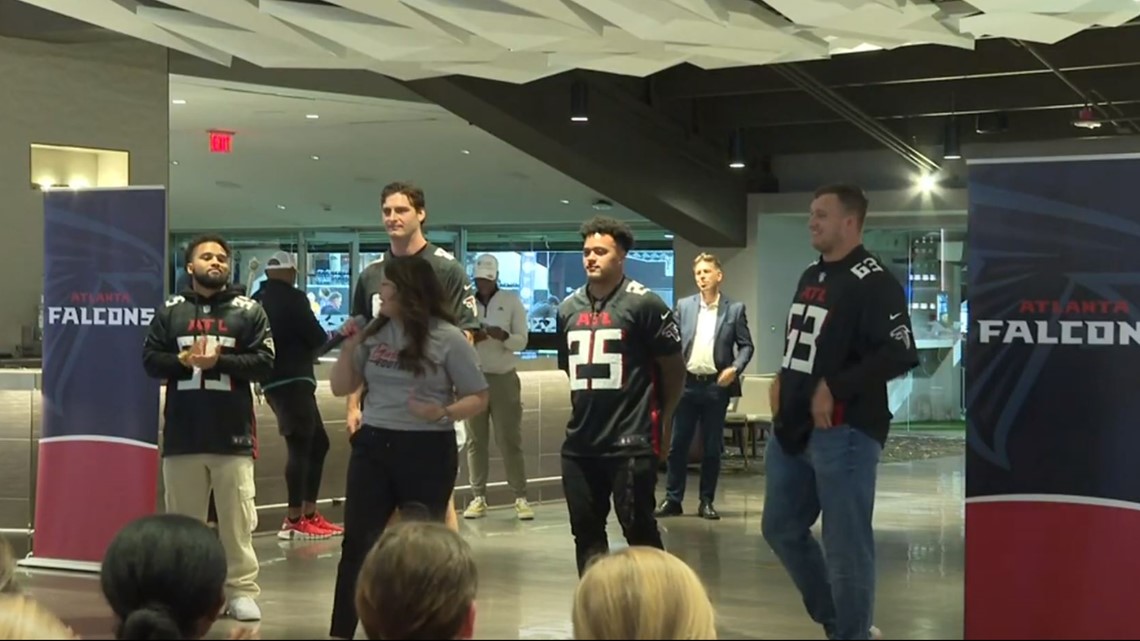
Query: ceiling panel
[{"x": 523, "y": 40}]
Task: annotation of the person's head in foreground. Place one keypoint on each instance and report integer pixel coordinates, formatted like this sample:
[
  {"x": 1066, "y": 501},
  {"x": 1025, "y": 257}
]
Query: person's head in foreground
[
  {"x": 642, "y": 593},
  {"x": 164, "y": 577},
  {"x": 23, "y": 618},
  {"x": 418, "y": 582}
]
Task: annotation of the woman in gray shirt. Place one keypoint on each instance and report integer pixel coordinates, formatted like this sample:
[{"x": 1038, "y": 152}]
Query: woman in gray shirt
[{"x": 420, "y": 376}]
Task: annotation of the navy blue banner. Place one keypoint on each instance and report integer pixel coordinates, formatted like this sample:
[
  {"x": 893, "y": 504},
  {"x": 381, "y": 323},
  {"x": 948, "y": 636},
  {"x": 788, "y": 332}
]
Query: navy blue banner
[
  {"x": 1053, "y": 397},
  {"x": 103, "y": 282}
]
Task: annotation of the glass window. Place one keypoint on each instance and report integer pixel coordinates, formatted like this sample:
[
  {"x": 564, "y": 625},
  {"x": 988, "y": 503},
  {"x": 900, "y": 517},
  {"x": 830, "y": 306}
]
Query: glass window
[
  {"x": 930, "y": 265},
  {"x": 543, "y": 279},
  {"x": 328, "y": 283}
]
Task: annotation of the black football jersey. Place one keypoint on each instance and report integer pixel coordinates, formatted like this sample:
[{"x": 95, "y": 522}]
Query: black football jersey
[
  {"x": 456, "y": 286},
  {"x": 609, "y": 349},
  {"x": 848, "y": 324}
]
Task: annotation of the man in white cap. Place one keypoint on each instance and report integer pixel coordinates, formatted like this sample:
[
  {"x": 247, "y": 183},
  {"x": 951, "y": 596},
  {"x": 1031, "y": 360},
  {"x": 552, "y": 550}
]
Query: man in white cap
[
  {"x": 503, "y": 332},
  {"x": 291, "y": 393}
]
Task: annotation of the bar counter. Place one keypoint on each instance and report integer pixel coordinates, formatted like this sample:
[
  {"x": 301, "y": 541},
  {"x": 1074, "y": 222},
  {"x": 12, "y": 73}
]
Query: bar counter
[{"x": 546, "y": 409}]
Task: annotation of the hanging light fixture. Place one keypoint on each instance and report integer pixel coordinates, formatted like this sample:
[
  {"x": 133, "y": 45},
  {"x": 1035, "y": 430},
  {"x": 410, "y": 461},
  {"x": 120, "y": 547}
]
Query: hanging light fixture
[
  {"x": 736, "y": 151},
  {"x": 578, "y": 99},
  {"x": 951, "y": 145}
]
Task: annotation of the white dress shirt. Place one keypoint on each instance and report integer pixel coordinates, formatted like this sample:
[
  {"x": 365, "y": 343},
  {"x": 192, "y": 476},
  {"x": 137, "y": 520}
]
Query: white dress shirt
[
  {"x": 701, "y": 358},
  {"x": 505, "y": 310}
]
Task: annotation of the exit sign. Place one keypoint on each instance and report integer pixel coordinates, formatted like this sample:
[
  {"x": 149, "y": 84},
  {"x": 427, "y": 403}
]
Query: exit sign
[{"x": 221, "y": 142}]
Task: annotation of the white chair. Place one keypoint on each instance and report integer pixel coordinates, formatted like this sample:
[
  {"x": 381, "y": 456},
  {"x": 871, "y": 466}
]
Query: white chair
[{"x": 750, "y": 416}]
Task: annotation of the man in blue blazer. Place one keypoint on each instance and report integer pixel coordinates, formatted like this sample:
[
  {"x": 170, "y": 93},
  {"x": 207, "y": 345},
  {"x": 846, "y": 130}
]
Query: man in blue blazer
[{"x": 717, "y": 346}]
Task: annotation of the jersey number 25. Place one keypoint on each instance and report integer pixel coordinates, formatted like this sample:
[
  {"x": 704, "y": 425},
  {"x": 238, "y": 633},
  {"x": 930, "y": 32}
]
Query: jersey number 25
[
  {"x": 811, "y": 320},
  {"x": 588, "y": 347}
]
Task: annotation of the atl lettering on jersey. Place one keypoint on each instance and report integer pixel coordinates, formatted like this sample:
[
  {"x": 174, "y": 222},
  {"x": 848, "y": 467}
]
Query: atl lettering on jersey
[{"x": 1071, "y": 322}]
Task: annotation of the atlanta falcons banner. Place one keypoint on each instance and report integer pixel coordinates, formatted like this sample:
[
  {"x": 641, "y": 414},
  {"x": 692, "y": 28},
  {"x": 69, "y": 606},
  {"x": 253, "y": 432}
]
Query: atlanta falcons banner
[
  {"x": 104, "y": 263},
  {"x": 1053, "y": 394}
]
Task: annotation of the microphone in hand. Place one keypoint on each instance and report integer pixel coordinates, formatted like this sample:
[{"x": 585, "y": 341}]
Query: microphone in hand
[{"x": 351, "y": 327}]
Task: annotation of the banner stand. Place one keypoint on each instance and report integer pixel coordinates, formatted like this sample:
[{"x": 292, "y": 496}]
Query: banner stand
[
  {"x": 1052, "y": 373},
  {"x": 105, "y": 266}
]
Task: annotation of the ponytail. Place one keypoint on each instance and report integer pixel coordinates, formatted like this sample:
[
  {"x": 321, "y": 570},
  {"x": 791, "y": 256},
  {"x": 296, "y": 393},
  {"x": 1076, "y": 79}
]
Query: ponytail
[{"x": 152, "y": 621}]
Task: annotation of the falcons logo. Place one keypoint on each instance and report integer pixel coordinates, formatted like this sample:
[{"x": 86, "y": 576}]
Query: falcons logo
[{"x": 901, "y": 334}]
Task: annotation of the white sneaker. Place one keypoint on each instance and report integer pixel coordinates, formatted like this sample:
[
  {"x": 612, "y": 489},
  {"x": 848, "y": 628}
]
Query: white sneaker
[
  {"x": 476, "y": 509},
  {"x": 523, "y": 510},
  {"x": 244, "y": 608},
  {"x": 876, "y": 633}
]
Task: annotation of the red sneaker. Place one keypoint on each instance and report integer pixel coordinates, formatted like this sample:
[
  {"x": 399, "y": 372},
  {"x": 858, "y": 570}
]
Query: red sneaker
[
  {"x": 318, "y": 521},
  {"x": 303, "y": 530}
]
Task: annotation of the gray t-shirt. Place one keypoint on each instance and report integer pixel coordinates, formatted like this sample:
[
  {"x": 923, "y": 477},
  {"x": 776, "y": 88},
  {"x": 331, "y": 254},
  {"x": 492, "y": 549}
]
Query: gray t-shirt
[{"x": 388, "y": 388}]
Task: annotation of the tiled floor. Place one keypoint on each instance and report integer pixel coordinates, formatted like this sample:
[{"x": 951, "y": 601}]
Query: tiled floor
[{"x": 527, "y": 571}]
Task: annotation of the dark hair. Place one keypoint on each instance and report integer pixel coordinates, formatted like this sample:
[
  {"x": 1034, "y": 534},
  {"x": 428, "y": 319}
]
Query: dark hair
[
  {"x": 619, "y": 231},
  {"x": 414, "y": 194},
  {"x": 850, "y": 196},
  {"x": 192, "y": 248},
  {"x": 162, "y": 575},
  {"x": 421, "y": 299},
  {"x": 418, "y": 582}
]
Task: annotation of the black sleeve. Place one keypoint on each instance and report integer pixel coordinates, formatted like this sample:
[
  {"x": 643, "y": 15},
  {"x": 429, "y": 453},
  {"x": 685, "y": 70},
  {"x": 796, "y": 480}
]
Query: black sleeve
[
  {"x": 459, "y": 289},
  {"x": 885, "y": 337},
  {"x": 308, "y": 328},
  {"x": 660, "y": 327},
  {"x": 563, "y": 346},
  {"x": 254, "y": 362},
  {"x": 744, "y": 347},
  {"x": 160, "y": 350}
]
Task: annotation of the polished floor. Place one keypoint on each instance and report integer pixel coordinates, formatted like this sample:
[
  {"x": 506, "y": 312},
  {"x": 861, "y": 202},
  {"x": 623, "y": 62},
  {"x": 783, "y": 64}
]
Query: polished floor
[{"x": 527, "y": 572}]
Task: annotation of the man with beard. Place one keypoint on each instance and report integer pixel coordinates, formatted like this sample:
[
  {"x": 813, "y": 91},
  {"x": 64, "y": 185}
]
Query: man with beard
[{"x": 209, "y": 343}]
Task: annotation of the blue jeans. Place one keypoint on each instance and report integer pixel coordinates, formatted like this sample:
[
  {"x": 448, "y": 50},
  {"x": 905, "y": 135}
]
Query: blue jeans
[
  {"x": 703, "y": 403},
  {"x": 836, "y": 475}
]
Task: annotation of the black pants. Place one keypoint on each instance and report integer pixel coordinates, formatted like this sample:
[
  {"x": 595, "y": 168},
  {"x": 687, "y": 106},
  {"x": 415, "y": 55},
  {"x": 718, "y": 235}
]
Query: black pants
[
  {"x": 307, "y": 442},
  {"x": 388, "y": 469},
  {"x": 589, "y": 482}
]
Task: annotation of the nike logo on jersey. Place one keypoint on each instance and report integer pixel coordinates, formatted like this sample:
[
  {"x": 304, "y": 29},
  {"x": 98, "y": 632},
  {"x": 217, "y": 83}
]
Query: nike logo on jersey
[
  {"x": 894, "y": 316},
  {"x": 665, "y": 315}
]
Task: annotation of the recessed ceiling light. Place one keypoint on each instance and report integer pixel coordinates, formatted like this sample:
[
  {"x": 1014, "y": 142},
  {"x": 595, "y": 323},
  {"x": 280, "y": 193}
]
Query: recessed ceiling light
[
  {"x": 178, "y": 101},
  {"x": 174, "y": 162},
  {"x": 281, "y": 206},
  {"x": 312, "y": 116},
  {"x": 668, "y": 236},
  {"x": 465, "y": 152},
  {"x": 315, "y": 157},
  {"x": 565, "y": 202}
]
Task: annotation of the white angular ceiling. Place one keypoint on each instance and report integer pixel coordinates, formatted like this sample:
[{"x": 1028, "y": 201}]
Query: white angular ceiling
[{"x": 522, "y": 40}]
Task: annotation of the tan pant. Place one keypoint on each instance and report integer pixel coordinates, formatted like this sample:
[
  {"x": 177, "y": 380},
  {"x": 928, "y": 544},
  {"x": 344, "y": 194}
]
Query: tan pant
[
  {"x": 189, "y": 479},
  {"x": 505, "y": 409}
]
